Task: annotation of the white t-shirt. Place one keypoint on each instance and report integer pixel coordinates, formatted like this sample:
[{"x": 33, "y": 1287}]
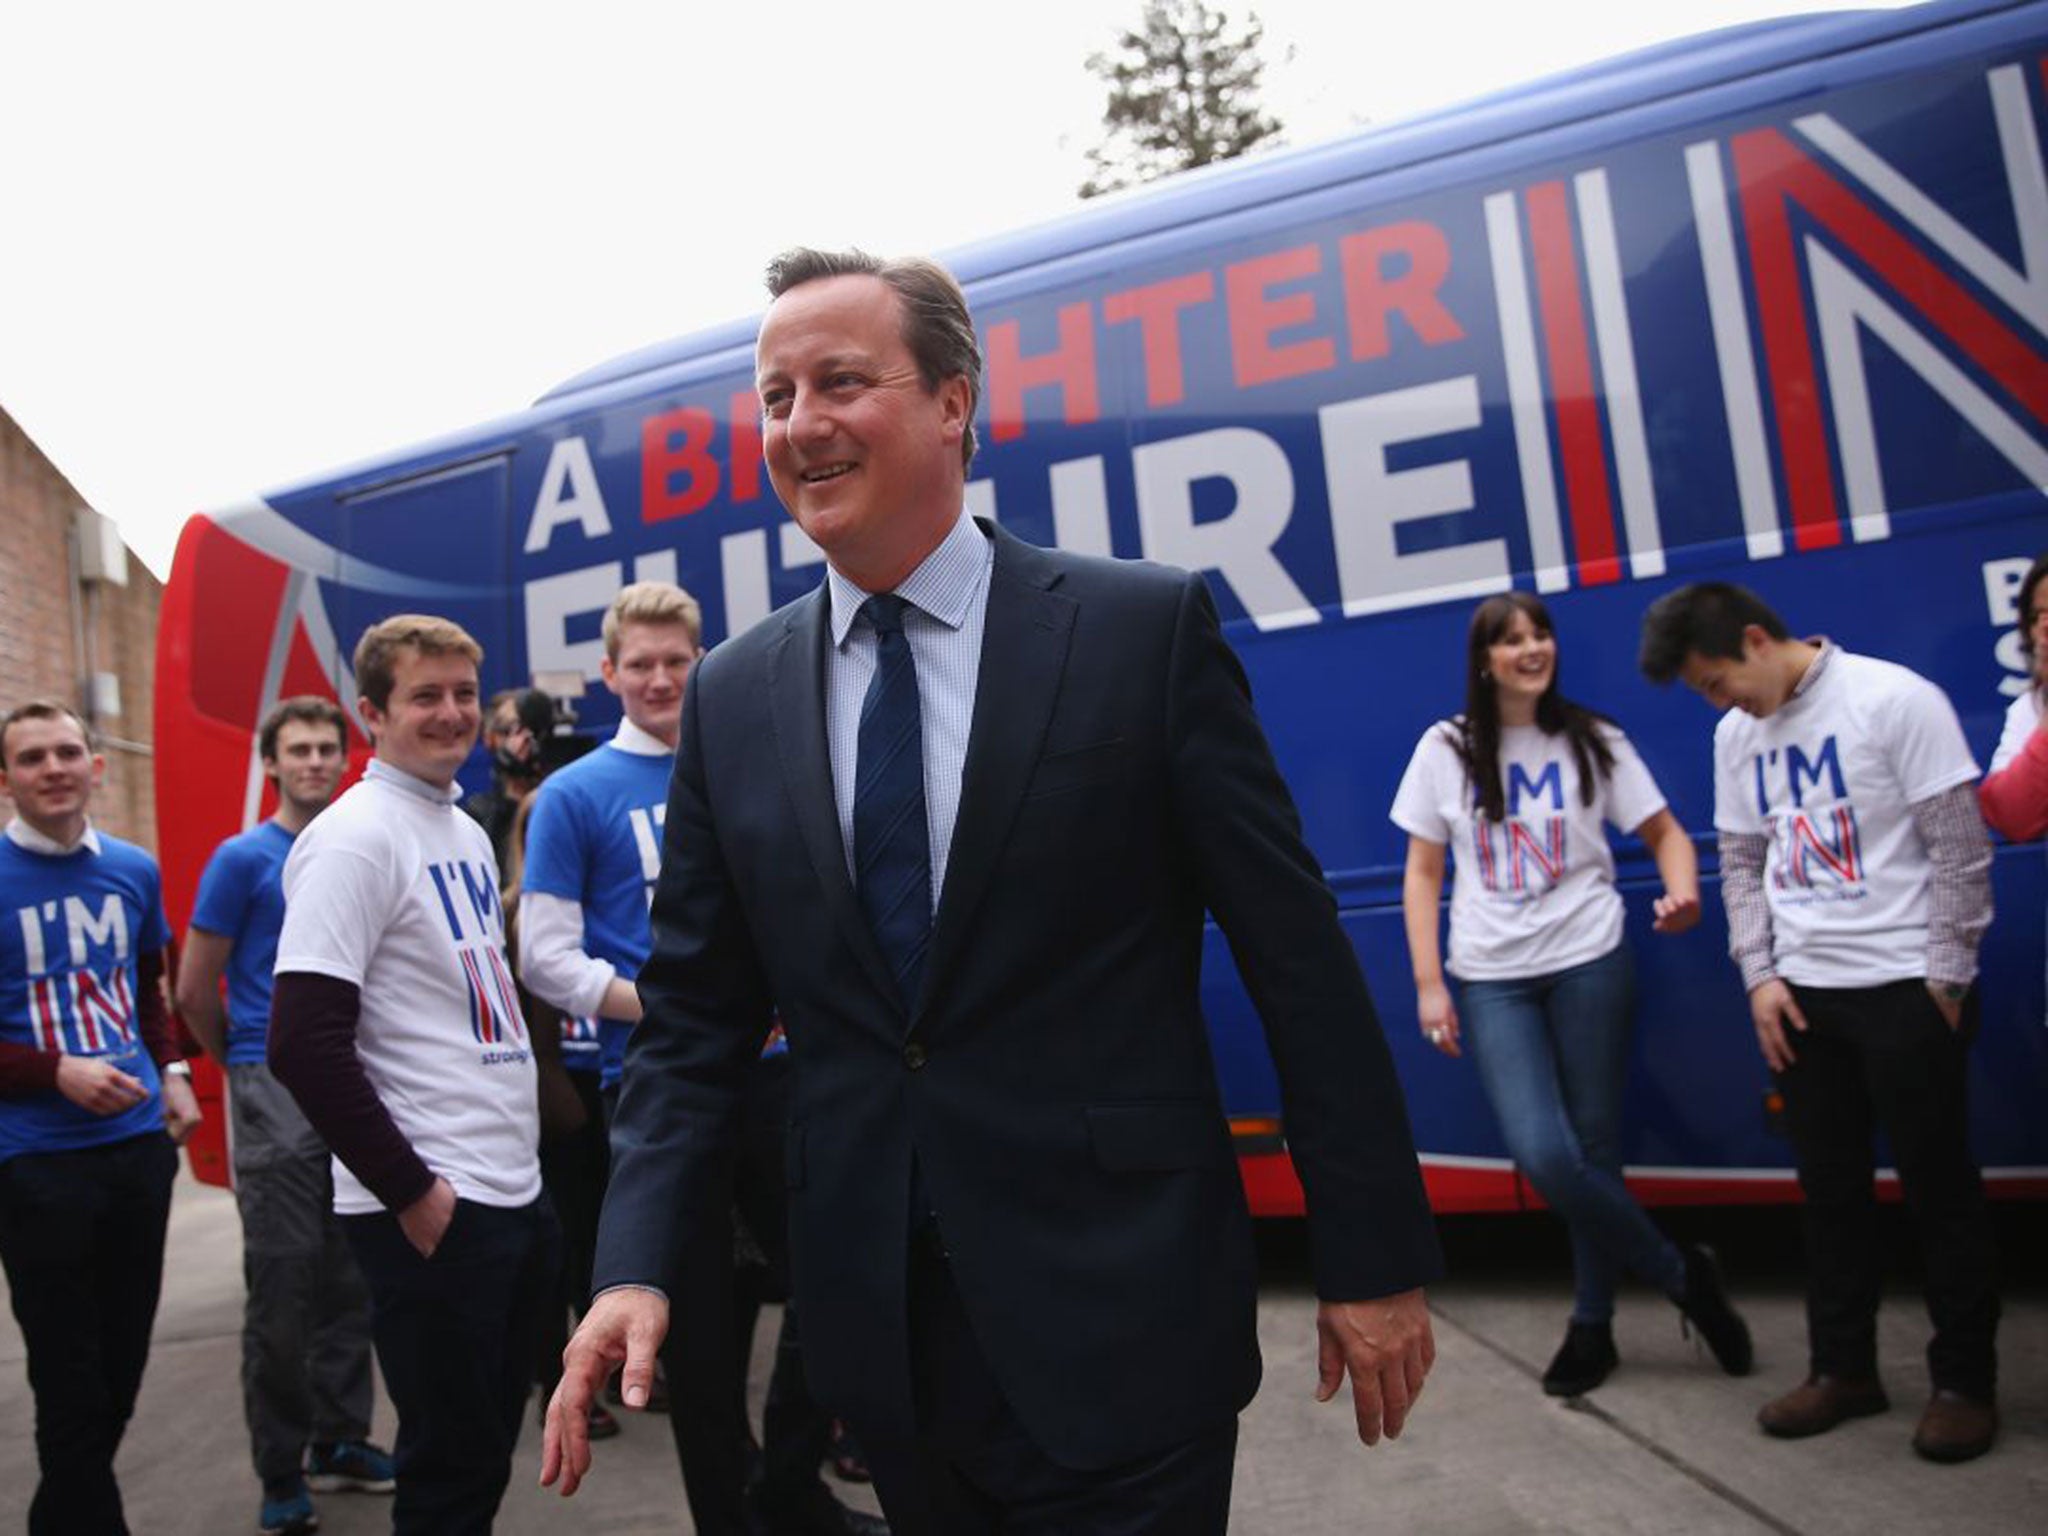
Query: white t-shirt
[
  {"x": 2021, "y": 716},
  {"x": 1830, "y": 779},
  {"x": 1534, "y": 894},
  {"x": 393, "y": 888}
]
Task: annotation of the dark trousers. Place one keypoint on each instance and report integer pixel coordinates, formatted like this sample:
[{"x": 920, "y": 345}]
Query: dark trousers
[
  {"x": 712, "y": 1308},
  {"x": 574, "y": 1170},
  {"x": 454, "y": 1336},
  {"x": 82, "y": 1238},
  {"x": 1883, "y": 1058},
  {"x": 972, "y": 1468}
]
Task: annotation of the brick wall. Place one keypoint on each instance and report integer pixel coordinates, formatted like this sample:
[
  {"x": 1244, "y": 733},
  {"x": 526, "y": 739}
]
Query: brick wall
[{"x": 44, "y": 615}]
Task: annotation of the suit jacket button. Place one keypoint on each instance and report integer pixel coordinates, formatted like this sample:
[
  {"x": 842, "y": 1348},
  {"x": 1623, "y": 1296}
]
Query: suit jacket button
[{"x": 913, "y": 1055}]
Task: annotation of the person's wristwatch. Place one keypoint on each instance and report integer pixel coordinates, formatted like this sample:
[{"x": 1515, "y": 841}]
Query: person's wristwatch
[
  {"x": 1952, "y": 991},
  {"x": 178, "y": 1069}
]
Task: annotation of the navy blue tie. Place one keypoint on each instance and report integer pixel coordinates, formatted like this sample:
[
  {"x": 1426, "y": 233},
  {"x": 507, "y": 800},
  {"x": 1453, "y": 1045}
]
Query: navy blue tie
[{"x": 892, "y": 855}]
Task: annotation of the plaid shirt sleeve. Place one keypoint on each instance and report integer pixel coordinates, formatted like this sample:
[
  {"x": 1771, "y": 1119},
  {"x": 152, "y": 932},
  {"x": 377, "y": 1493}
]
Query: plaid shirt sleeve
[{"x": 1749, "y": 911}]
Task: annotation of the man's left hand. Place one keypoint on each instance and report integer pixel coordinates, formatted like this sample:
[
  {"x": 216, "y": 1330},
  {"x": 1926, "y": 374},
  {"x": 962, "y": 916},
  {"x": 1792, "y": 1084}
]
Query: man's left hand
[
  {"x": 181, "y": 1109},
  {"x": 1387, "y": 1346},
  {"x": 1950, "y": 1008}
]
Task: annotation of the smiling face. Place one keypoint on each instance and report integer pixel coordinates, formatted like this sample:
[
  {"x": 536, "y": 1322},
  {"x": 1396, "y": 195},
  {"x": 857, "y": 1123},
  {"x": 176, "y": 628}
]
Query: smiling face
[
  {"x": 649, "y": 676},
  {"x": 1522, "y": 661},
  {"x": 1758, "y": 682},
  {"x": 431, "y": 719},
  {"x": 307, "y": 765},
  {"x": 50, "y": 771},
  {"x": 861, "y": 453}
]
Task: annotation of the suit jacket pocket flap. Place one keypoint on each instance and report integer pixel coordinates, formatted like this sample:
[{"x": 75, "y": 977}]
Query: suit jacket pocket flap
[
  {"x": 1076, "y": 767},
  {"x": 1155, "y": 1138}
]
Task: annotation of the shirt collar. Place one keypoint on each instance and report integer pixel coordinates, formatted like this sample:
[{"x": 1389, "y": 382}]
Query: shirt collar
[
  {"x": 943, "y": 585},
  {"x": 1814, "y": 668},
  {"x": 22, "y": 835},
  {"x": 382, "y": 772},
  {"x": 630, "y": 738}
]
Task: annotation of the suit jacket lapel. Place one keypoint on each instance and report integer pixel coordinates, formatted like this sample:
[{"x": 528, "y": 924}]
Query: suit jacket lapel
[
  {"x": 796, "y": 688},
  {"x": 1023, "y": 659}
]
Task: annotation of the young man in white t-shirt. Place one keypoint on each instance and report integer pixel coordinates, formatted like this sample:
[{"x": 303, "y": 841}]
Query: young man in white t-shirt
[
  {"x": 1856, "y": 874},
  {"x": 396, "y": 1025}
]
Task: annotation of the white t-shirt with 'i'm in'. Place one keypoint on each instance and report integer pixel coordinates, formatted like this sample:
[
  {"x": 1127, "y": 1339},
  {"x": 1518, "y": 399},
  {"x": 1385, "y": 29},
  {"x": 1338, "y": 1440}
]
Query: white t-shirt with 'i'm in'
[
  {"x": 395, "y": 889},
  {"x": 1534, "y": 894},
  {"x": 1831, "y": 778}
]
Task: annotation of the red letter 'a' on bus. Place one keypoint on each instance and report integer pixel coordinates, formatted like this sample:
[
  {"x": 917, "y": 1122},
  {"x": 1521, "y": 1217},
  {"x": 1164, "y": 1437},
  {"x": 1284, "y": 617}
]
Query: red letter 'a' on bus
[
  {"x": 745, "y": 416},
  {"x": 1254, "y": 318},
  {"x": 1370, "y": 294},
  {"x": 1571, "y": 384},
  {"x": 1070, "y": 365},
  {"x": 1772, "y": 171},
  {"x": 1156, "y": 307},
  {"x": 676, "y": 443}
]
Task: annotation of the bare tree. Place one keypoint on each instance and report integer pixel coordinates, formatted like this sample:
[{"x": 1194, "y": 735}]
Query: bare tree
[{"x": 1183, "y": 91}]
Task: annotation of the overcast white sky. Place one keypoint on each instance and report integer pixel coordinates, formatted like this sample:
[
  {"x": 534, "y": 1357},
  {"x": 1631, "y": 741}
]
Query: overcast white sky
[{"x": 246, "y": 242}]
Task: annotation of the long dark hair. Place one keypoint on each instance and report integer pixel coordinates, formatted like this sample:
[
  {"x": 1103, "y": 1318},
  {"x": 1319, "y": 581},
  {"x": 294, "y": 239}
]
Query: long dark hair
[{"x": 1477, "y": 737}]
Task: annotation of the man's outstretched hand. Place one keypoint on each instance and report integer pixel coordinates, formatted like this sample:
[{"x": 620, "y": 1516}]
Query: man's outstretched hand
[
  {"x": 1387, "y": 1347},
  {"x": 623, "y": 1328}
]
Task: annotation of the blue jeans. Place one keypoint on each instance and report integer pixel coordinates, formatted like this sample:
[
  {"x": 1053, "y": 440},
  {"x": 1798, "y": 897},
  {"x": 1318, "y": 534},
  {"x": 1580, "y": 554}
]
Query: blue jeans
[{"x": 1552, "y": 1053}]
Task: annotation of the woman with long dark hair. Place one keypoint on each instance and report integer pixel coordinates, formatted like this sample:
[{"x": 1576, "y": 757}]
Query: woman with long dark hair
[{"x": 1522, "y": 785}]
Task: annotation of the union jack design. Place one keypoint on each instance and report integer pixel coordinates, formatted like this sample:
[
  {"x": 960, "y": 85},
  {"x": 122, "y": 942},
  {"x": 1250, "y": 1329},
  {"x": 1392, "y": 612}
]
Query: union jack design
[
  {"x": 1805, "y": 851},
  {"x": 1532, "y": 861},
  {"x": 47, "y": 1012},
  {"x": 81, "y": 1014},
  {"x": 579, "y": 1032},
  {"x": 493, "y": 1001},
  {"x": 104, "y": 1011}
]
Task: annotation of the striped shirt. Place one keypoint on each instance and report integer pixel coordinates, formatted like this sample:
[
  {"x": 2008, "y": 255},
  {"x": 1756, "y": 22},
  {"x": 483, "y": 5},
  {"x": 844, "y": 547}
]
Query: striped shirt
[{"x": 948, "y": 598}]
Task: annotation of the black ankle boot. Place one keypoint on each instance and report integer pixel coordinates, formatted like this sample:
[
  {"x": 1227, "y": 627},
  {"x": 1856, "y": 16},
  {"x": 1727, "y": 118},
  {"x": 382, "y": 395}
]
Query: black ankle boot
[
  {"x": 1705, "y": 1303},
  {"x": 1582, "y": 1361}
]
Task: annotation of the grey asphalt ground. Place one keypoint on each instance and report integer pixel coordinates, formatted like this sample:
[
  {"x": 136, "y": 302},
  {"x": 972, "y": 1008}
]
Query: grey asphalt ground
[{"x": 1667, "y": 1445}]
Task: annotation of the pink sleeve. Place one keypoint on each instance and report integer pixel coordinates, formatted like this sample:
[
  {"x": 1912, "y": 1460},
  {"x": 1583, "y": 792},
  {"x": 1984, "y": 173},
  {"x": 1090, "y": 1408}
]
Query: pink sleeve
[{"x": 2015, "y": 799}]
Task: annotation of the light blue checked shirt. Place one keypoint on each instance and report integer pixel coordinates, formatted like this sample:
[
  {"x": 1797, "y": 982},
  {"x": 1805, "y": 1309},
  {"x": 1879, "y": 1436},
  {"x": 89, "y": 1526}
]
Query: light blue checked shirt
[{"x": 948, "y": 597}]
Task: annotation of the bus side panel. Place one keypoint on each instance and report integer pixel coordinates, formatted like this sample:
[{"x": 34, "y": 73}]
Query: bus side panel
[{"x": 1785, "y": 328}]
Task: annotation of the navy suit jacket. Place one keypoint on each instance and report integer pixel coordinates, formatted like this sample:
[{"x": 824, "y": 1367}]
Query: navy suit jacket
[{"x": 1053, "y": 1076}]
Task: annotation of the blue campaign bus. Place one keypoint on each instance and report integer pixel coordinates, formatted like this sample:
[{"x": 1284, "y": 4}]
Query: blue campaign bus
[{"x": 1768, "y": 305}]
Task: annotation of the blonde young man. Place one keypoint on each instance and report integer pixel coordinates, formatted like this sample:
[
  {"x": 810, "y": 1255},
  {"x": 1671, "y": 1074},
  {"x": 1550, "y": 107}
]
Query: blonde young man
[
  {"x": 90, "y": 1082},
  {"x": 396, "y": 1026}
]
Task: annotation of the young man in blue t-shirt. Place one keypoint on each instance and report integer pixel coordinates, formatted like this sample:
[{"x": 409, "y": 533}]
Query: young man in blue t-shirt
[
  {"x": 306, "y": 1388},
  {"x": 90, "y": 1083},
  {"x": 592, "y": 856}
]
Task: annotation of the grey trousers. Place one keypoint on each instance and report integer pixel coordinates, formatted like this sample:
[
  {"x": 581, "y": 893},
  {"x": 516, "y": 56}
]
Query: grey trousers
[{"x": 306, "y": 1326}]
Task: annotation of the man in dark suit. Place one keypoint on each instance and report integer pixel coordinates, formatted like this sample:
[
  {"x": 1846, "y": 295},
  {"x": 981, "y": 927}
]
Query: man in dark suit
[{"x": 957, "y": 816}]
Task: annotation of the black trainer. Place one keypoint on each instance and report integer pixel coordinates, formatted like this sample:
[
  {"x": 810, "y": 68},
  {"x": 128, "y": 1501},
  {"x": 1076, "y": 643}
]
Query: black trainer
[
  {"x": 1582, "y": 1361},
  {"x": 1706, "y": 1305}
]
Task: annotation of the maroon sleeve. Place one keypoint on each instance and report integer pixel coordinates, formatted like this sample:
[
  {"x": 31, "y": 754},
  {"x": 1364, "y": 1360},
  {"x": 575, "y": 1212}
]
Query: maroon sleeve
[
  {"x": 152, "y": 1018},
  {"x": 26, "y": 1071},
  {"x": 313, "y": 1053}
]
